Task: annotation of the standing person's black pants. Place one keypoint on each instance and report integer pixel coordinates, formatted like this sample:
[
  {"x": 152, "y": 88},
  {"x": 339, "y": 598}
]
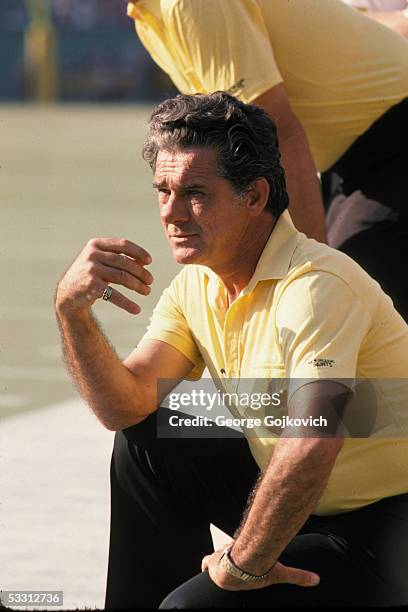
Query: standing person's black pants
[
  {"x": 366, "y": 198},
  {"x": 165, "y": 494}
]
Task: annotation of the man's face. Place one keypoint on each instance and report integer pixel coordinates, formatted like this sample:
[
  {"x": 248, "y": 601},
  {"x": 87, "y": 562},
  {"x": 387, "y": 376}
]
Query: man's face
[{"x": 202, "y": 216}]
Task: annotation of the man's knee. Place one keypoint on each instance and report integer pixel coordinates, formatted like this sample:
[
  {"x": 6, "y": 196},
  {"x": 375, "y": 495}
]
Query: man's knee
[
  {"x": 179, "y": 600},
  {"x": 120, "y": 457},
  {"x": 134, "y": 458},
  {"x": 130, "y": 443},
  {"x": 200, "y": 592}
]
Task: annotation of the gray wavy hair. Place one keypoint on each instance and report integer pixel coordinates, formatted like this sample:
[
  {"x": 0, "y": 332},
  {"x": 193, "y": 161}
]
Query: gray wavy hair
[{"x": 244, "y": 136}]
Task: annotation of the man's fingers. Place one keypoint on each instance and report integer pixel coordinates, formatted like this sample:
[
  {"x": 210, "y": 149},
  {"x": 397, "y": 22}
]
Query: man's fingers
[
  {"x": 124, "y": 262},
  {"x": 121, "y": 277},
  {"x": 121, "y": 245},
  {"x": 204, "y": 563},
  {"x": 104, "y": 261},
  {"x": 123, "y": 302},
  {"x": 293, "y": 575}
]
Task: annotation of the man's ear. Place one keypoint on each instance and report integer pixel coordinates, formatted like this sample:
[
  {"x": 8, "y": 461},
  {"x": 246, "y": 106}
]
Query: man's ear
[{"x": 257, "y": 196}]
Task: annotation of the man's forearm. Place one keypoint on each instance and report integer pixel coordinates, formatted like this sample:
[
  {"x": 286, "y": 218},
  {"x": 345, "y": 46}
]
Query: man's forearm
[
  {"x": 282, "y": 501},
  {"x": 107, "y": 386},
  {"x": 305, "y": 198}
]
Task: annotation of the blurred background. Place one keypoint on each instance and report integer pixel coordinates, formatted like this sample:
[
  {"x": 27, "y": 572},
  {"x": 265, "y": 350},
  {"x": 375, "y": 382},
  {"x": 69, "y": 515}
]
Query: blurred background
[
  {"x": 74, "y": 50},
  {"x": 76, "y": 90}
]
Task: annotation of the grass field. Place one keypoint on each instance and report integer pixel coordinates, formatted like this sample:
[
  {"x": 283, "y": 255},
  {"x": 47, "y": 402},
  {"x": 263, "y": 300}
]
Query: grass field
[{"x": 68, "y": 173}]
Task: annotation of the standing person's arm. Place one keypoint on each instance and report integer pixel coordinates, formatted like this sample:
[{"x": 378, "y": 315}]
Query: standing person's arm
[
  {"x": 396, "y": 20},
  {"x": 120, "y": 394},
  {"x": 206, "y": 36},
  {"x": 303, "y": 185}
]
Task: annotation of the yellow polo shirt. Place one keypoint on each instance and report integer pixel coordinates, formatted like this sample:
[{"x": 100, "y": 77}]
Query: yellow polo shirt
[
  {"x": 341, "y": 71},
  {"x": 308, "y": 312}
]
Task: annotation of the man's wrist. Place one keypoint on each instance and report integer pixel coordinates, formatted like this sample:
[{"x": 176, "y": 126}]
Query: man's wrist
[
  {"x": 65, "y": 310},
  {"x": 238, "y": 572},
  {"x": 246, "y": 562}
]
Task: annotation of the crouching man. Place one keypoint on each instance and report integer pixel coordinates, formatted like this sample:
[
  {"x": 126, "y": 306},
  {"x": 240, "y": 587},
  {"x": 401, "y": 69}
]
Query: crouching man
[{"x": 316, "y": 520}]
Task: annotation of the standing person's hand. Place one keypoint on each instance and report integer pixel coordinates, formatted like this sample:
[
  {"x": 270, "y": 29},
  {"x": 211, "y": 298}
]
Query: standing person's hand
[
  {"x": 396, "y": 20},
  {"x": 101, "y": 262}
]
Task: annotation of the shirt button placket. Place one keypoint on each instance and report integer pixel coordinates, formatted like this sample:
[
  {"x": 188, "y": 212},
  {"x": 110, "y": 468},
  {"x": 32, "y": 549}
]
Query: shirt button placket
[{"x": 231, "y": 341}]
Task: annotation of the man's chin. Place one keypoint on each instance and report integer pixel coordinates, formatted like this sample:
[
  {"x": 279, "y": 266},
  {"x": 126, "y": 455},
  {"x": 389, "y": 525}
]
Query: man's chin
[{"x": 186, "y": 255}]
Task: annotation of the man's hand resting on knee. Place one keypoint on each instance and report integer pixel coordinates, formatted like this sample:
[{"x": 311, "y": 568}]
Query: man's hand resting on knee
[{"x": 279, "y": 573}]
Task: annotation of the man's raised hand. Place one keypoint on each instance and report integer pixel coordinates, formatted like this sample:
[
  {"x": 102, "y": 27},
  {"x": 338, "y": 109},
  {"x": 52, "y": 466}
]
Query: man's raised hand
[{"x": 101, "y": 262}]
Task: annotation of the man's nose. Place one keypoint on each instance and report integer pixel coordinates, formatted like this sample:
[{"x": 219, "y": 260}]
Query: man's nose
[{"x": 174, "y": 210}]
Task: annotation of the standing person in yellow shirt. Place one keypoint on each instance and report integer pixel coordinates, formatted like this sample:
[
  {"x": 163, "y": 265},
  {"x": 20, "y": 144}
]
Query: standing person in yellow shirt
[
  {"x": 335, "y": 82},
  {"x": 318, "y": 517}
]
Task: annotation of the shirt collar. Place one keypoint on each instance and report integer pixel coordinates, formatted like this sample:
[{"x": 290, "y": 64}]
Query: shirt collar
[
  {"x": 274, "y": 261},
  {"x": 134, "y": 10},
  {"x": 141, "y": 10}
]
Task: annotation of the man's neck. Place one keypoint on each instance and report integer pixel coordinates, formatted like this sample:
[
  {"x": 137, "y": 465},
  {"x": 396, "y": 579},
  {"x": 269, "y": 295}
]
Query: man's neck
[{"x": 237, "y": 274}]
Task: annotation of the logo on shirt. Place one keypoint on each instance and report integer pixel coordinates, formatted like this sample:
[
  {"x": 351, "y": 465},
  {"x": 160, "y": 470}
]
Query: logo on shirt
[
  {"x": 321, "y": 363},
  {"x": 237, "y": 87}
]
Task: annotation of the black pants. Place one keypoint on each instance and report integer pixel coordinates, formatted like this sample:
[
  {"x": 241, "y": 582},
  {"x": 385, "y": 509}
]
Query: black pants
[
  {"x": 166, "y": 492},
  {"x": 366, "y": 198}
]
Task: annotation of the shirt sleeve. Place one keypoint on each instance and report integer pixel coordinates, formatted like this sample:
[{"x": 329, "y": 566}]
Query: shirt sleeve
[
  {"x": 321, "y": 325},
  {"x": 222, "y": 46},
  {"x": 169, "y": 325}
]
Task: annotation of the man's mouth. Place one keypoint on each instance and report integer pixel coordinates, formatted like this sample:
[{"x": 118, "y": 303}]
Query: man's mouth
[{"x": 181, "y": 236}]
